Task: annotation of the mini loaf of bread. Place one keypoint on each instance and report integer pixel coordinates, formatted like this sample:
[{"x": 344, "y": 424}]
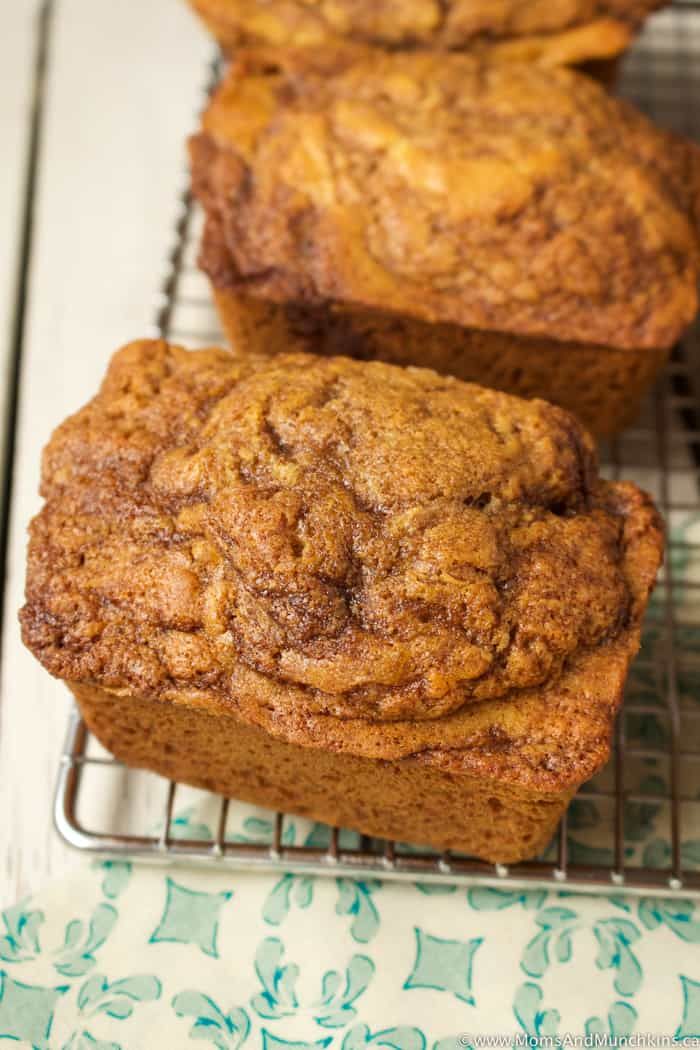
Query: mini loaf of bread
[
  {"x": 502, "y": 223},
  {"x": 375, "y": 596},
  {"x": 553, "y": 32}
]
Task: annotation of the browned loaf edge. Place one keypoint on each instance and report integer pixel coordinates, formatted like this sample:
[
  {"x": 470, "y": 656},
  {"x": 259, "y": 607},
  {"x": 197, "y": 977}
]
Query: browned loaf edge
[
  {"x": 503, "y": 198},
  {"x": 551, "y": 33},
  {"x": 336, "y": 587},
  {"x": 584, "y": 267}
]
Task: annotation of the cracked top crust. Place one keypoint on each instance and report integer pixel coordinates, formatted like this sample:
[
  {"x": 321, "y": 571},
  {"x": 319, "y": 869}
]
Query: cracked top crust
[
  {"x": 494, "y": 196},
  {"x": 332, "y": 547},
  {"x": 555, "y": 31}
]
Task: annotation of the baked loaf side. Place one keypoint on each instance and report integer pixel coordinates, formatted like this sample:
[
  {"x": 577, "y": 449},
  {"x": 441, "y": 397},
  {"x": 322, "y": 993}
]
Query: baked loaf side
[
  {"x": 340, "y": 558},
  {"x": 498, "y": 197},
  {"x": 405, "y": 799},
  {"x": 552, "y": 31}
]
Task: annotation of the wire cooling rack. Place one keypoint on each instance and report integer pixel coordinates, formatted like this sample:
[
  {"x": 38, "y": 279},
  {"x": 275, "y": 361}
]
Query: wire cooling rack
[{"x": 637, "y": 824}]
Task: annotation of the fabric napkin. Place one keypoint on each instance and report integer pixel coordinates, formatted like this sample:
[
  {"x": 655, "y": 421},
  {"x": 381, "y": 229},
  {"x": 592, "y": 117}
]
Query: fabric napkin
[{"x": 133, "y": 957}]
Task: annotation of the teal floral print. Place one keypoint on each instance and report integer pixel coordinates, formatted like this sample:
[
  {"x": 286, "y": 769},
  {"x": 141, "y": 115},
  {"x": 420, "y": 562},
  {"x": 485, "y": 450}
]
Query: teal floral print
[
  {"x": 554, "y": 941},
  {"x": 290, "y": 1000},
  {"x": 119, "y": 998},
  {"x": 294, "y": 1002},
  {"x": 559, "y": 923},
  {"x": 225, "y": 1031},
  {"x": 27, "y": 1011},
  {"x": 689, "y": 1028},
  {"x": 615, "y": 938},
  {"x": 482, "y": 958},
  {"x": 116, "y": 876},
  {"x": 297, "y": 889},
  {"x": 290, "y": 889},
  {"x": 190, "y": 917},
  {"x": 619, "y": 1023},
  {"x": 278, "y": 999},
  {"x": 435, "y": 889},
  {"x": 77, "y": 956},
  {"x": 355, "y": 898},
  {"x": 487, "y": 898},
  {"x": 20, "y": 942},
  {"x": 336, "y": 1007},
  {"x": 676, "y": 915},
  {"x": 533, "y": 1018},
  {"x": 85, "y": 1041},
  {"x": 444, "y": 965},
  {"x": 401, "y": 1038},
  {"x": 278, "y": 996}
]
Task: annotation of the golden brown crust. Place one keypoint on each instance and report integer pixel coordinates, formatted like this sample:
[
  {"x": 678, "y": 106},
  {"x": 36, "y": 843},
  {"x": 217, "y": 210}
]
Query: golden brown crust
[
  {"x": 346, "y": 554},
  {"x": 554, "y": 31},
  {"x": 492, "y": 196}
]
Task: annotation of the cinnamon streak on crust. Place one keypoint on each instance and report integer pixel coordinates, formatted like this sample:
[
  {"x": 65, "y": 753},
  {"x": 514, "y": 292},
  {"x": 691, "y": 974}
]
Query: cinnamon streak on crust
[{"x": 349, "y": 556}]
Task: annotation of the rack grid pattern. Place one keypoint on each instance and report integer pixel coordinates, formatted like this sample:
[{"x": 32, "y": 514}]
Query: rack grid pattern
[{"x": 637, "y": 824}]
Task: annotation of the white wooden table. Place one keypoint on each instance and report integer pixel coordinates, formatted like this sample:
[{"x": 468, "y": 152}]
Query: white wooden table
[{"x": 123, "y": 79}]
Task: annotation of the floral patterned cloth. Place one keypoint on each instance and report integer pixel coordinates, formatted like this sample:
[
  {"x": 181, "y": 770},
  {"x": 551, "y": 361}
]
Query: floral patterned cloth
[{"x": 142, "y": 958}]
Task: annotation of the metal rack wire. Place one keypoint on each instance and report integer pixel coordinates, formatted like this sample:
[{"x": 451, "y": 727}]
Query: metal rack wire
[{"x": 634, "y": 824}]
